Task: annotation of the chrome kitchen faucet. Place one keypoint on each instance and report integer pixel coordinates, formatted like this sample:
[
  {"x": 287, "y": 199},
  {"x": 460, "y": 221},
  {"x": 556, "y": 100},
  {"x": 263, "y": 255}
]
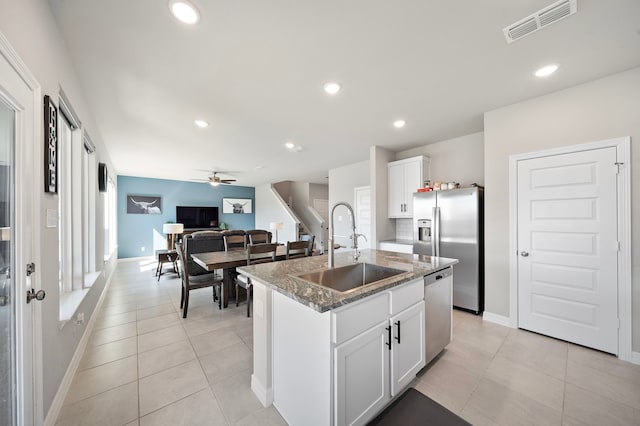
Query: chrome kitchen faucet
[{"x": 354, "y": 236}]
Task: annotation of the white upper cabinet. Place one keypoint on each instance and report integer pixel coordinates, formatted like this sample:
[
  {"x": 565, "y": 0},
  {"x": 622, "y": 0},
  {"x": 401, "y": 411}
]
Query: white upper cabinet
[{"x": 405, "y": 177}]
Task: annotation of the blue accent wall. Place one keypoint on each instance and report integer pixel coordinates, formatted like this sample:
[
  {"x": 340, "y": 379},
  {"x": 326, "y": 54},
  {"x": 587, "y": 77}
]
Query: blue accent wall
[{"x": 141, "y": 234}]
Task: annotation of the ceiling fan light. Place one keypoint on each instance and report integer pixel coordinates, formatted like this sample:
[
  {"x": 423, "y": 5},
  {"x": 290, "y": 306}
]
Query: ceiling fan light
[{"x": 214, "y": 183}]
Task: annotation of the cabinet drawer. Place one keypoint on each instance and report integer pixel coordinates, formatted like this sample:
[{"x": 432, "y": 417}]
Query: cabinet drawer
[
  {"x": 357, "y": 317},
  {"x": 406, "y": 295}
]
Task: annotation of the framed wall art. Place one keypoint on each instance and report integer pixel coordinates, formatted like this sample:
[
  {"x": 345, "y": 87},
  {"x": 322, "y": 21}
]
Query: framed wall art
[
  {"x": 50, "y": 146},
  {"x": 144, "y": 204},
  {"x": 237, "y": 205}
]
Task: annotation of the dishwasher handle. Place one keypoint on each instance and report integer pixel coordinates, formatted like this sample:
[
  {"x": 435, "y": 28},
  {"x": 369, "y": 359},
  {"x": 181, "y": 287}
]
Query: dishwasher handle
[{"x": 437, "y": 276}]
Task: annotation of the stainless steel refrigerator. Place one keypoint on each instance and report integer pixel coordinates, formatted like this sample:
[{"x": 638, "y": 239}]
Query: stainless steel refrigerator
[{"x": 450, "y": 224}]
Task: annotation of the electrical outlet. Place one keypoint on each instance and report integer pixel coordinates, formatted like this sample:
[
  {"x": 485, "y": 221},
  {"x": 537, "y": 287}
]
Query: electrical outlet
[{"x": 79, "y": 318}]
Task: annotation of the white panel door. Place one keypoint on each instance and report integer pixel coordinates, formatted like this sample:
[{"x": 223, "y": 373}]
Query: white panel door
[
  {"x": 362, "y": 195},
  {"x": 568, "y": 247}
]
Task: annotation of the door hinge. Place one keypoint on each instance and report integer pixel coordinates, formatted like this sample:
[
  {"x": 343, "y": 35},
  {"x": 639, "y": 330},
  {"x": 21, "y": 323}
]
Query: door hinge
[
  {"x": 618, "y": 166},
  {"x": 31, "y": 268},
  {"x": 618, "y": 245},
  {"x": 619, "y": 323}
]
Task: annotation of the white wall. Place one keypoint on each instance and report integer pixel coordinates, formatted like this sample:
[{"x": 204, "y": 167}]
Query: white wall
[
  {"x": 270, "y": 209},
  {"x": 32, "y": 31},
  {"x": 383, "y": 228},
  {"x": 598, "y": 110},
  {"x": 458, "y": 160},
  {"x": 342, "y": 181}
]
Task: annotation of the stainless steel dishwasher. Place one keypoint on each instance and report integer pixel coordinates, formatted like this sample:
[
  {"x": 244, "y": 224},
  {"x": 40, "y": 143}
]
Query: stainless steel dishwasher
[{"x": 438, "y": 288}]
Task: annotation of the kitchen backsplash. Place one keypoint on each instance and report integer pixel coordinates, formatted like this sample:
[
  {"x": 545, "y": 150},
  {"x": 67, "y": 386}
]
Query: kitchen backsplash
[{"x": 404, "y": 229}]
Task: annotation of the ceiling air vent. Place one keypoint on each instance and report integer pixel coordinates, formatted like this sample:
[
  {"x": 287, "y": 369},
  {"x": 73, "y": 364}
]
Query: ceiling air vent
[{"x": 540, "y": 19}]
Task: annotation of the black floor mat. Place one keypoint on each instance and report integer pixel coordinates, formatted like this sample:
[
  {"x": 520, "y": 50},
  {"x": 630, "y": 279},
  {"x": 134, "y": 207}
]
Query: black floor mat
[{"x": 415, "y": 409}]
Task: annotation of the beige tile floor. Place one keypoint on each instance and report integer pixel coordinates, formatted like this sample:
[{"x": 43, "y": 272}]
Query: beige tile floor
[{"x": 145, "y": 365}]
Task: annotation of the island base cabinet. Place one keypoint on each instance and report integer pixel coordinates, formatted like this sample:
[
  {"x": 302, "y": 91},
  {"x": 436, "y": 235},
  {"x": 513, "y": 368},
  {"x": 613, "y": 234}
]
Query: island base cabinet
[
  {"x": 375, "y": 366},
  {"x": 362, "y": 376},
  {"x": 339, "y": 367}
]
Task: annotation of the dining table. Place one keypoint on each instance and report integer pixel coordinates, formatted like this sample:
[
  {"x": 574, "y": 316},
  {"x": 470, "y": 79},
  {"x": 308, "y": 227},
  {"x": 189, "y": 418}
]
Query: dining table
[{"x": 228, "y": 261}]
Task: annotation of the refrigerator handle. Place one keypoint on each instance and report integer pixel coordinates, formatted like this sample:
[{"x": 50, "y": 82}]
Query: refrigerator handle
[
  {"x": 436, "y": 238},
  {"x": 434, "y": 234}
]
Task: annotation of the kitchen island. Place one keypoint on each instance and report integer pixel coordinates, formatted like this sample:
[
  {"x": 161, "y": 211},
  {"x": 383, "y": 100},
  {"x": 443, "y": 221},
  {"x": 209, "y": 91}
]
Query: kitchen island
[{"x": 329, "y": 358}]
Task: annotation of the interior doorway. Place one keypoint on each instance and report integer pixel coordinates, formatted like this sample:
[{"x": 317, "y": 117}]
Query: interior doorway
[
  {"x": 570, "y": 228},
  {"x": 20, "y": 374},
  {"x": 362, "y": 197}
]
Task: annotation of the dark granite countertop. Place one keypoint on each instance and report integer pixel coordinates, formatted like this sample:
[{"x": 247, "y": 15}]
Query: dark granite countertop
[{"x": 280, "y": 276}]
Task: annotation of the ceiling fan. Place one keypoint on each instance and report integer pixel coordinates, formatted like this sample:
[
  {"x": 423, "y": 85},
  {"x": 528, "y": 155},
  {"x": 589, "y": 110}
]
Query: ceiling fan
[{"x": 215, "y": 180}]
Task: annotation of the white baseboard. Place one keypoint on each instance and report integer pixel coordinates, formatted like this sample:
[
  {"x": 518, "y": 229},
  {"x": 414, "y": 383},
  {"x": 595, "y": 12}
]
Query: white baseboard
[
  {"x": 136, "y": 259},
  {"x": 63, "y": 389},
  {"x": 497, "y": 319},
  {"x": 265, "y": 396},
  {"x": 635, "y": 358}
]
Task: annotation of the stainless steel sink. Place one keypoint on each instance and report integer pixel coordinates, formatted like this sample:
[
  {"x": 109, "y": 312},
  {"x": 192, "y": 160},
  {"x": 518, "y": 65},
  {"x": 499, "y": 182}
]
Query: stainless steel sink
[{"x": 350, "y": 277}]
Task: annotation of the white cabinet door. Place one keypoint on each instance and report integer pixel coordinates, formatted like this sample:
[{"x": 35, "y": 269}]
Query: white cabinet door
[
  {"x": 408, "y": 352},
  {"x": 362, "y": 376},
  {"x": 412, "y": 181},
  {"x": 396, "y": 189},
  {"x": 405, "y": 177}
]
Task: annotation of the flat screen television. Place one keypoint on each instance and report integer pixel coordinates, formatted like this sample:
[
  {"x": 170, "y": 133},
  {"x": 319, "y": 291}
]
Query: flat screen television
[{"x": 197, "y": 217}]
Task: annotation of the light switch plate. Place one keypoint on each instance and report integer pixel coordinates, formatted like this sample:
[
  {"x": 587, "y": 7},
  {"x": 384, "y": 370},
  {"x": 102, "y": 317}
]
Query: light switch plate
[{"x": 52, "y": 218}]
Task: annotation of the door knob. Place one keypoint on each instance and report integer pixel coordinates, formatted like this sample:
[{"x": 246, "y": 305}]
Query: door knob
[
  {"x": 524, "y": 253},
  {"x": 32, "y": 294}
]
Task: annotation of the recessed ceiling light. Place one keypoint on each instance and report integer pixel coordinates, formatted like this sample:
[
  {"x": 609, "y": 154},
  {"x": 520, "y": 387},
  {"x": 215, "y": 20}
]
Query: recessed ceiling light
[
  {"x": 545, "y": 71},
  {"x": 201, "y": 123},
  {"x": 331, "y": 87},
  {"x": 292, "y": 147},
  {"x": 259, "y": 167},
  {"x": 399, "y": 124},
  {"x": 184, "y": 11}
]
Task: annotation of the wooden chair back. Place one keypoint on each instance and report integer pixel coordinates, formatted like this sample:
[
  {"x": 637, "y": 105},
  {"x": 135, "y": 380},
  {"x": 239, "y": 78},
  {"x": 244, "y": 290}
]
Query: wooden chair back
[
  {"x": 259, "y": 236},
  {"x": 192, "y": 282},
  {"x": 235, "y": 242},
  {"x": 311, "y": 239},
  {"x": 261, "y": 253},
  {"x": 298, "y": 249}
]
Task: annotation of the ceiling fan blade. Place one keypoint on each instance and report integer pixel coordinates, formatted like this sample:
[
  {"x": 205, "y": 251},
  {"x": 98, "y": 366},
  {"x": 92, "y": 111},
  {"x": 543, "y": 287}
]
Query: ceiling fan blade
[{"x": 227, "y": 180}]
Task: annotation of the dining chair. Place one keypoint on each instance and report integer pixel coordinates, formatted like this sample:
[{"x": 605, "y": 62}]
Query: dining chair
[
  {"x": 234, "y": 240},
  {"x": 311, "y": 239},
  {"x": 256, "y": 253},
  {"x": 297, "y": 249},
  {"x": 192, "y": 282},
  {"x": 259, "y": 236}
]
